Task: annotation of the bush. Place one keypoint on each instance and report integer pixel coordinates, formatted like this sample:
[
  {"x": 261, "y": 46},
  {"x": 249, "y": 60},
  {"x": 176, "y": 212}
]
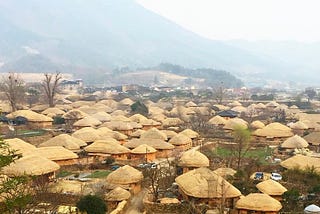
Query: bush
[
  {"x": 92, "y": 204},
  {"x": 57, "y": 120}
]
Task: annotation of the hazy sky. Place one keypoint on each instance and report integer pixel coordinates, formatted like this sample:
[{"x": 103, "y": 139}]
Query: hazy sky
[{"x": 244, "y": 19}]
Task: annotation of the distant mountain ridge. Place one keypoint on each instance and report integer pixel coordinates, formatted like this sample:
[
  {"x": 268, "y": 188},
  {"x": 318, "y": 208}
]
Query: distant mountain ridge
[{"x": 86, "y": 37}]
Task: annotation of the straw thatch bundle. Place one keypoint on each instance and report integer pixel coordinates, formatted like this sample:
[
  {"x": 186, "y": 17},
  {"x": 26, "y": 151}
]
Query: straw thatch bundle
[
  {"x": 301, "y": 162},
  {"x": 259, "y": 202},
  {"x": 143, "y": 149},
  {"x": 180, "y": 139},
  {"x": 137, "y": 118},
  {"x": 53, "y": 111},
  {"x": 193, "y": 158},
  {"x": 295, "y": 142},
  {"x": 19, "y": 146},
  {"x": 155, "y": 143},
  {"x": 30, "y": 116},
  {"x": 31, "y": 165},
  {"x": 87, "y": 122},
  {"x": 273, "y": 130},
  {"x": 117, "y": 194},
  {"x": 172, "y": 121},
  {"x": 102, "y": 116},
  {"x": 74, "y": 114},
  {"x": 87, "y": 134},
  {"x": 203, "y": 183},
  {"x": 106, "y": 147},
  {"x": 54, "y": 153},
  {"x": 65, "y": 141},
  {"x": 190, "y": 133},
  {"x": 225, "y": 171},
  {"x": 313, "y": 138},
  {"x": 217, "y": 120},
  {"x": 154, "y": 133},
  {"x": 125, "y": 175},
  {"x": 137, "y": 133},
  {"x": 257, "y": 124},
  {"x": 233, "y": 123},
  {"x": 271, "y": 187}
]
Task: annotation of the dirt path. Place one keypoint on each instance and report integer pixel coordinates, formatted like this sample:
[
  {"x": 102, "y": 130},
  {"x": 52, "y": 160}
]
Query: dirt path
[{"x": 136, "y": 204}]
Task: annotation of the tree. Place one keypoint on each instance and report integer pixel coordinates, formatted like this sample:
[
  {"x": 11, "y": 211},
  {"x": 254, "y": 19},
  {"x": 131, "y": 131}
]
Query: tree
[
  {"x": 92, "y": 204},
  {"x": 32, "y": 96},
  {"x": 50, "y": 84},
  {"x": 311, "y": 93},
  {"x": 241, "y": 138},
  {"x": 219, "y": 93},
  {"x": 139, "y": 108},
  {"x": 13, "y": 87}
]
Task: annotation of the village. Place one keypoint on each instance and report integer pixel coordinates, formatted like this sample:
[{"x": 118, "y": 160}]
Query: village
[{"x": 195, "y": 153}]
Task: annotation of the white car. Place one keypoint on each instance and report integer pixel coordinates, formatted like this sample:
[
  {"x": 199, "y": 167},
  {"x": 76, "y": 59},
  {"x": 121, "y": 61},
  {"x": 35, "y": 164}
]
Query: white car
[{"x": 276, "y": 176}]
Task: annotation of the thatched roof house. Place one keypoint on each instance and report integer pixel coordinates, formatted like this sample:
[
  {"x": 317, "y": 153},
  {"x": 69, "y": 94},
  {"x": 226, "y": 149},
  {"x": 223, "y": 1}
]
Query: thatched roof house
[
  {"x": 102, "y": 116},
  {"x": 87, "y": 134},
  {"x": 301, "y": 162},
  {"x": 190, "y": 133},
  {"x": 137, "y": 118},
  {"x": 294, "y": 142},
  {"x": 272, "y": 188},
  {"x": 144, "y": 152},
  {"x": 74, "y": 114},
  {"x": 87, "y": 122},
  {"x": 170, "y": 133},
  {"x": 54, "y": 111},
  {"x": 115, "y": 196},
  {"x": 313, "y": 138},
  {"x": 193, "y": 159},
  {"x": 274, "y": 130},
  {"x": 217, "y": 120},
  {"x": 181, "y": 141},
  {"x": 19, "y": 146},
  {"x": 172, "y": 121},
  {"x": 35, "y": 120},
  {"x": 258, "y": 202},
  {"x": 66, "y": 141},
  {"x": 154, "y": 133},
  {"x": 31, "y": 165},
  {"x": 233, "y": 123},
  {"x": 257, "y": 124},
  {"x": 138, "y": 133}
]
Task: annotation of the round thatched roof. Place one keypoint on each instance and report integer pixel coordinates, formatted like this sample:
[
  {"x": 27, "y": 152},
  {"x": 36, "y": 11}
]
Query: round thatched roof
[
  {"x": 143, "y": 149},
  {"x": 105, "y": 132},
  {"x": 299, "y": 125},
  {"x": 31, "y": 165},
  {"x": 158, "y": 117},
  {"x": 53, "y": 111},
  {"x": 137, "y": 133},
  {"x": 65, "y": 141},
  {"x": 170, "y": 133},
  {"x": 119, "y": 112},
  {"x": 172, "y": 121},
  {"x": 260, "y": 106},
  {"x": 53, "y": 153},
  {"x": 154, "y": 133},
  {"x": 190, "y": 104},
  {"x": 39, "y": 108},
  {"x": 301, "y": 162},
  {"x": 87, "y": 134},
  {"x": 224, "y": 172},
  {"x": 80, "y": 103},
  {"x": 271, "y": 187},
  {"x": 19, "y": 146},
  {"x": 313, "y": 138},
  {"x": 156, "y": 110},
  {"x": 259, "y": 202},
  {"x": 220, "y": 107},
  {"x": 272, "y": 104},
  {"x": 203, "y": 183},
  {"x": 190, "y": 133},
  {"x": 111, "y": 103},
  {"x": 30, "y": 115},
  {"x": 102, "y": 116},
  {"x": 180, "y": 139},
  {"x": 87, "y": 122},
  {"x": 74, "y": 114},
  {"x": 193, "y": 158},
  {"x": 155, "y": 143},
  {"x": 235, "y": 103},
  {"x": 106, "y": 147},
  {"x": 232, "y": 123},
  {"x": 118, "y": 125},
  {"x": 117, "y": 194},
  {"x": 150, "y": 122},
  {"x": 125, "y": 175},
  {"x": 273, "y": 130},
  {"x": 126, "y": 102},
  {"x": 217, "y": 120},
  {"x": 257, "y": 124},
  {"x": 295, "y": 142},
  {"x": 239, "y": 109},
  {"x": 137, "y": 118}
]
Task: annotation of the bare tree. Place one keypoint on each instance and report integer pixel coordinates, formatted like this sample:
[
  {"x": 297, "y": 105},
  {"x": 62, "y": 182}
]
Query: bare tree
[
  {"x": 50, "y": 83},
  {"x": 241, "y": 138},
  {"x": 219, "y": 93},
  {"x": 13, "y": 87}
]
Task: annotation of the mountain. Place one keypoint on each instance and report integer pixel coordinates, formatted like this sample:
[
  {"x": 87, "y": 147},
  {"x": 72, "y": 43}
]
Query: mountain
[{"x": 86, "y": 37}]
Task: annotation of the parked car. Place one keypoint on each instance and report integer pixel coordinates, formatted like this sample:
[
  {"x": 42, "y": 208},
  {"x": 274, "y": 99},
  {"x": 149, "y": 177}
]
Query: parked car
[
  {"x": 276, "y": 176},
  {"x": 259, "y": 176},
  {"x": 147, "y": 165}
]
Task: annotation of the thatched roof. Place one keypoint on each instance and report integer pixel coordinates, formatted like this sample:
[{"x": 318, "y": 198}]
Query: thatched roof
[
  {"x": 126, "y": 102},
  {"x": 40, "y": 108},
  {"x": 233, "y": 123},
  {"x": 54, "y": 153},
  {"x": 239, "y": 109},
  {"x": 111, "y": 103},
  {"x": 158, "y": 117},
  {"x": 137, "y": 118},
  {"x": 88, "y": 109},
  {"x": 102, "y": 116},
  {"x": 193, "y": 158},
  {"x": 53, "y": 111},
  {"x": 154, "y": 133},
  {"x": 299, "y": 125},
  {"x": 224, "y": 172},
  {"x": 235, "y": 103},
  {"x": 271, "y": 187},
  {"x": 257, "y": 124},
  {"x": 155, "y": 143},
  {"x": 313, "y": 138},
  {"x": 87, "y": 122},
  {"x": 273, "y": 130},
  {"x": 78, "y": 104},
  {"x": 117, "y": 194},
  {"x": 118, "y": 125},
  {"x": 87, "y": 134},
  {"x": 156, "y": 110},
  {"x": 259, "y": 202},
  {"x": 137, "y": 133},
  {"x": 143, "y": 149},
  {"x": 190, "y": 104},
  {"x": 203, "y": 183},
  {"x": 150, "y": 122},
  {"x": 295, "y": 142},
  {"x": 172, "y": 121},
  {"x": 301, "y": 162},
  {"x": 190, "y": 133},
  {"x": 31, "y": 165},
  {"x": 220, "y": 107},
  {"x": 19, "y": 146},
  {"x": 180, "y": 139},
  {"x": 30, "y": 115},
  {"x": 119, "y": 112},
  {"x": 106, "y": 132},
  {"x": 170, "y": 133},
  {"x": 125, "y": 175},
  {"x": 272, "y": 104},
  {"x": 74, "y": 114},
  {"x": 260, "y": 106},
  {"x": 106, "y": 147},
  {"x": 217, "y": 120},
  {"x": 65, "y": 141}
]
